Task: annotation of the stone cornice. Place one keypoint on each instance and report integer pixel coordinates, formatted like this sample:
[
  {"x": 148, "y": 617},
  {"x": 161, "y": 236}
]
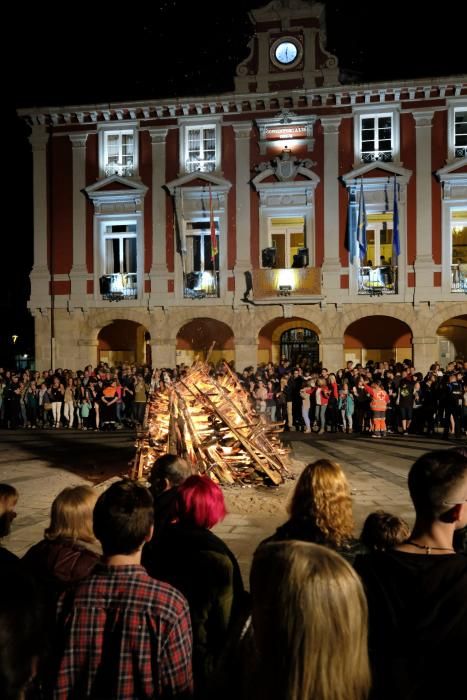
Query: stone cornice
[{"x": 369, "y": 94}]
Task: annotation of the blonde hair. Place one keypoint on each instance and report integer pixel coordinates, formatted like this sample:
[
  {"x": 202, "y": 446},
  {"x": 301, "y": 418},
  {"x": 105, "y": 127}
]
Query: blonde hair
[
  {"x": 310, "y": 623},
  {"x": 322, "y": 493},
  {"x": 71, "y": 514}
]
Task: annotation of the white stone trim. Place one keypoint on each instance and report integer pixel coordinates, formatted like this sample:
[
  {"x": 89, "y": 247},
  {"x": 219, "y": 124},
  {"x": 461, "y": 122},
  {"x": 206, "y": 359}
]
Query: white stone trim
[
  {"x": 377, "y": 110},
  {"x": 205, "y": 120}
]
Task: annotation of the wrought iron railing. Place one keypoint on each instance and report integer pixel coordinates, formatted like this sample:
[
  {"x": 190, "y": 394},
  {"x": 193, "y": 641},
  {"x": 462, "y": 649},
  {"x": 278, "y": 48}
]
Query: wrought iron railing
[
  {"x": 372, "y": 156},
  {"x": 199, "y": 285},
  {"x": 126, "y": 170},
  {"x": 119, "y": 286},
  {"x": 203, "y": 166},
  {"x": 459, "y": 278},
  {"x": 460, "y": 151},
  {"x": 376, "y": 281}
]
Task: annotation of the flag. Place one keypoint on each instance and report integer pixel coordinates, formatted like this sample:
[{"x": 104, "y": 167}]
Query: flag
[
  {"x": 396, "y": 244},
  {"x": 212, "y": 226},
  {"x": 361, "y": 224},
  {"x": 351, "y": 231}
]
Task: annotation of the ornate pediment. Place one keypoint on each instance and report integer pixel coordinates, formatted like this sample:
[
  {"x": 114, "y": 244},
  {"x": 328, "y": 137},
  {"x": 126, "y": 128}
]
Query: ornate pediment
[
  {"x": 375, "y": 172},
  {"x": 117, "y": 194},
  {"x": 198, "y": 180}
]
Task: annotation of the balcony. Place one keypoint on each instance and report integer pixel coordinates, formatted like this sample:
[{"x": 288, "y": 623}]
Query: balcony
[
  {"x": 124, "y": 170},
  {"x": 459, "y": 278},
  {"x": 203, "y": 166},
  {"x": 377, "y": 281},
  {"x": 373, "y": 156},
  {"x": 118, "y": 286},
  {"x": 201, "y": 285},
  {"x": 294, "y": 285}
]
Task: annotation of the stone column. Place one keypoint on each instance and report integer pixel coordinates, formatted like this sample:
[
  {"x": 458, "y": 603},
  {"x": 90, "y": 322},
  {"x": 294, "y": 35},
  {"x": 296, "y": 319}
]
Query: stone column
[
  {"x": 40, "y": 297},
  {"x": 242, "y": 131},
  {"x": 424, "y": 254},
  {"x": 158, "y": 273},
  {"x": 246, "y": 352},
  {"x": 331, "y": 265},
  {"x": 425, "y": 352},
  {"x": 331, "y": 353},
  {"x": 164, "y": 352},
  {"x": 79, "y": 271}
]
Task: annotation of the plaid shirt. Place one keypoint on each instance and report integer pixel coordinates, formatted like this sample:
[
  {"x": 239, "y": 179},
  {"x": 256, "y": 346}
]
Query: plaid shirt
[{"x": 122, "y": 635}]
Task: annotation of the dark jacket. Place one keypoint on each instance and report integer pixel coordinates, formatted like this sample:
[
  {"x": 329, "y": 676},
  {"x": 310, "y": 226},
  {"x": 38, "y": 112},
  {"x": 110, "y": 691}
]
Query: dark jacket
[
  {"x": 418, "y": 623},
  {"x": 57, "y": 564},
  {"x": 201, "y": 566},
  {"x": 306, "y": 530}
]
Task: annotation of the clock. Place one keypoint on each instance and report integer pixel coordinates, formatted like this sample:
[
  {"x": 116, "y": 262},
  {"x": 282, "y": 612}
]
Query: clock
[{"x": 286, "y": 52}]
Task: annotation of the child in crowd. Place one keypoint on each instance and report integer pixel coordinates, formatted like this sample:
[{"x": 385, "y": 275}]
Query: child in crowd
[
  {"x": 85, "y": 410},
  {"x": 382, "y": 530}
]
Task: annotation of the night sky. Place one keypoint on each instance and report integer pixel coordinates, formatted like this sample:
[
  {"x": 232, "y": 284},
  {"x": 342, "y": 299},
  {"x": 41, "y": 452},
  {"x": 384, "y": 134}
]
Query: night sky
[{"x": 111, "y": 55}]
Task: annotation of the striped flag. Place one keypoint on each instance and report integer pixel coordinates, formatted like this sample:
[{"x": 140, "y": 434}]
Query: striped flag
[
  {"x": 212, "y": 226},
  {"x": 361, "y": 223},
  {"x": 396, "y": 244}
]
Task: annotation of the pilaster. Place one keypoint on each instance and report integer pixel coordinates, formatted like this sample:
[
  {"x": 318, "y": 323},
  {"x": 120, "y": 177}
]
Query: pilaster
[
  {"x": 331, "y": 264},
  {"x": 79, "y": 272},
  {"x": 158, "y": 273},
  {"x": 424, "y": 252},
  {"x": 242, "y": 131},
  {"x": 40, "y": 297}
]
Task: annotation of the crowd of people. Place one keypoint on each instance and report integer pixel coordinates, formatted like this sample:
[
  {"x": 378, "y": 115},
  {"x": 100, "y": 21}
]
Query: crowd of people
[
  {"x": 132, "y": 596},
  {"x": 376, "y": 399}
]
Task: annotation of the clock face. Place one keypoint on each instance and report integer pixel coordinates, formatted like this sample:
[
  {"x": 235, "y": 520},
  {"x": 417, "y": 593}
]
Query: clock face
[{"x": 286, "y": 52}]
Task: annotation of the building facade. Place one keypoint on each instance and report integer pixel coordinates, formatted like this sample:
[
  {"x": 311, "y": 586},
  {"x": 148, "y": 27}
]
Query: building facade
[{"x": 293, "y": 215}]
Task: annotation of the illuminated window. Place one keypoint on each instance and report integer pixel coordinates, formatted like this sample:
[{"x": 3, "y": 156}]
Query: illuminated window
[
  {"x": 376, "y": 135},
  {"x": 288, "y": 238},
  {"x": 460, "y": 133},
  {"x": 200, "y": 144},
  {"x": 118, "y": 151}
]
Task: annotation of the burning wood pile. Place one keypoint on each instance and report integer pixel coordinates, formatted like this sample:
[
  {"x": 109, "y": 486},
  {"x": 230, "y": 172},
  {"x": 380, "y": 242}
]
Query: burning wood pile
[{"x": 210, "y": 422}]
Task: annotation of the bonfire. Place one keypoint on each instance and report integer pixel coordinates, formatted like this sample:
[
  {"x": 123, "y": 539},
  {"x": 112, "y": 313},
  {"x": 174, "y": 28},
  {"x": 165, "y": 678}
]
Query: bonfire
[{"x": 210, "y": 421}]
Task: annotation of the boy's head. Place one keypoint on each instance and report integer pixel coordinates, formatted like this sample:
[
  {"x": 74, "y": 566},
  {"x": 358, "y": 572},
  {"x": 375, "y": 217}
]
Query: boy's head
[
  {"x": 438, "y": 486},
  {"x": 383, "y": 530},
  {"x": 123, "y": 518}
]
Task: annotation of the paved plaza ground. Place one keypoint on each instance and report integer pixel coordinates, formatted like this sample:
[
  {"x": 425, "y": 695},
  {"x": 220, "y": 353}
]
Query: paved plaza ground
[{"x": 41, "y": 463}]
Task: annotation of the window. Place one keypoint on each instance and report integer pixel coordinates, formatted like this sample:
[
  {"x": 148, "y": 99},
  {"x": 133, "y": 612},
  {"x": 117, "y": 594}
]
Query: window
[
  {"x": 201, "y": 149},
  {"x": 376, "y": 135},
  {"x": 118, "y": 150},
  {"x": 288, "y": 238},
  {"x": 460, "y": 133},
  {"x": 202, "y": 268},
  {"x": 120, "y": 260},
  {"x": 459, "y": 250},
  {"x": 200, "y": 144},
  {"x": 376, "y": 138},
  {"x": 378, "y": 273},
  {"x": 457, "y": 128}
]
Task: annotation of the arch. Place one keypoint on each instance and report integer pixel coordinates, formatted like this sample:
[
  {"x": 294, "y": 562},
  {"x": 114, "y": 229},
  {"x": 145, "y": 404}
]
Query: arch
[
  {"x": 270, "y": 335},
  {"x": 196, "y": 336},
  {"x": 378, "y": 338},
  {"x": 124, "y": 341},
  {"x": 452, "y": 339}
]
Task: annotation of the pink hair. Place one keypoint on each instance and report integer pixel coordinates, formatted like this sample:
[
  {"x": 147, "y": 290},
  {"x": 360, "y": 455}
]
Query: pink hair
[{"x": 201, "y": 502}]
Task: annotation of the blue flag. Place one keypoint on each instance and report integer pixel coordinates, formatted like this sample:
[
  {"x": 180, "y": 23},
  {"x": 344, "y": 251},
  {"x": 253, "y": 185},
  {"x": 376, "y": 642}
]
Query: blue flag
[
  {"x": 396, "y": 244},
  {"x": 351, "y": 232},
  {"x": 361, "y": 223}
]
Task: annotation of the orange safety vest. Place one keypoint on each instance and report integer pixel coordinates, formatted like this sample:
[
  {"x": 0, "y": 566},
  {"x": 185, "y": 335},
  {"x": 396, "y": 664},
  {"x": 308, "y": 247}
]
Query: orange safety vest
[{"x": 379, "y": 398}]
